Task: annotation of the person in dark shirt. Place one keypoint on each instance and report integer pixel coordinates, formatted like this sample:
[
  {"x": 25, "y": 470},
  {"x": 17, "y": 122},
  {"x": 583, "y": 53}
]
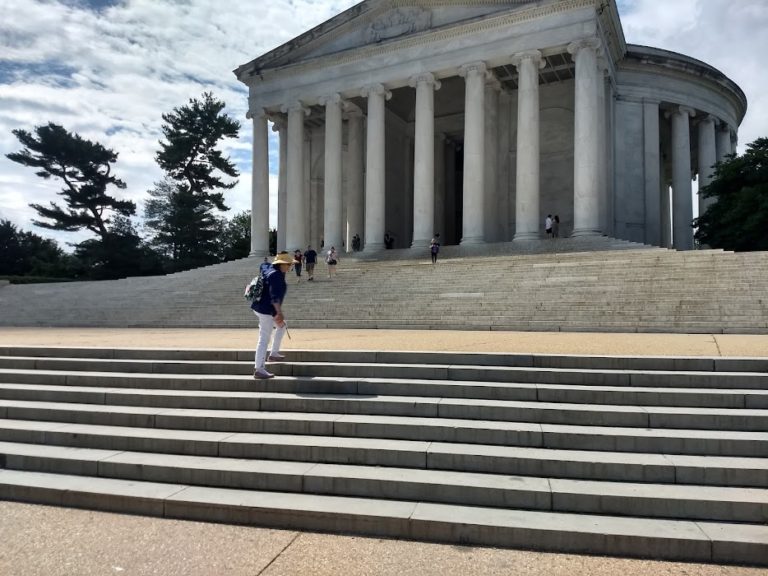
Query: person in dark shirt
[
  {"x": 310, "y": 259},
  {"x": 269, "y": 310},
  {"x": 297, "y": 258}
]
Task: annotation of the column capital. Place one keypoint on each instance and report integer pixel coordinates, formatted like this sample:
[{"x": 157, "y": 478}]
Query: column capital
[
  {"x": 472, "y": 68},
  {"x": 426, "y": 78},
  {"x": 295, "y": 106},
  {"x": 375, "y": 89},
  {"x": 256, "y": 113},
  {"x": 709, "y": 118},
  {"x": 334, "y": 98},
  {"x": 492, "y": 82},
  {"x": 279, "y": 122},
  {"x": 351, "y": 110},
  {"x": 577, "y": 46},
  {"x": 532, "y": 55},
  {"x": 684, "y": 110}
]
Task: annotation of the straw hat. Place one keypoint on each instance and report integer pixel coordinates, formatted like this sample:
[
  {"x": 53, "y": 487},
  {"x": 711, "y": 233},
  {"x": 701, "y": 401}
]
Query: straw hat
[{"x": 283, "y": 258}]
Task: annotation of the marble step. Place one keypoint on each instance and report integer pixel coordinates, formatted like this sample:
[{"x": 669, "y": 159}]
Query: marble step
[
  {"x": 585, "y": 362},
  {"x": 563, "y": 532},
  {"x": 72, "y": 371},
  {"x": 461, "y": 488},
  {"x": 733, "y": 419},
  {"x": 507, "y": 460},
  {"x": 95, "y": 388},
  {"x": 451, "y": 430}
]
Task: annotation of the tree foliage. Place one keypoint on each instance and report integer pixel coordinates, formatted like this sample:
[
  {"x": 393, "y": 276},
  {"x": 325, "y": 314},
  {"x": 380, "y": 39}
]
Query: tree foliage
[
  {"x": 27, "y": 254},
  {"x": 738, "y": 220},
  {"x": 184, "y": 231},
  {"x": 182, "y": 208},
  {"x": 236, "y": 237},
  {"x": 84, "y": 167},
  {"x": 119, "y": 254},
  {"x": 190, "y": 155}
]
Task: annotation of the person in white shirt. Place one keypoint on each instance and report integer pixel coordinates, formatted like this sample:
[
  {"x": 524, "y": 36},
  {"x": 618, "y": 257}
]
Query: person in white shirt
[{"x": 548, "y": 225}]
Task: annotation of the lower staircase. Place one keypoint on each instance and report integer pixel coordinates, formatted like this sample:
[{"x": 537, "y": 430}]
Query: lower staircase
[{"x": 648, "y": 457}]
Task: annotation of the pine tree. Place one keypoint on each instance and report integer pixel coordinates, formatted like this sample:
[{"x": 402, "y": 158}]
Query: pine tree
[
  {"x": 84, "y": 167},
  {"x": 183, "y": 214}
]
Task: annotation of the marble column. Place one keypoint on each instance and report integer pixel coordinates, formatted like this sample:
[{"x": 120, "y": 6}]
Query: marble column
[
  {"x": 440, "y": 188},
  {"x": 280, "y": 126},
  {"x": 424, "y": 160},
  {"x": 450, "y": 234},
  {"x": 666, "y": 215},
  {"x": 474, "y": 153},
  {"x": 260, "y": 186},
  {"x": 375, "y": 172},
  {"x": 332, "y": 226},
  {"x": 295, "y": 233},
  {"x": 528, "y": 149},
  {"x": 652, "y": 168},
  {"x": 586, "y": 181},
  {"x": 682, "y": 188},
  {"x": 707, "y": 159},
  {"x": 354, "y": 170},
  {"x": 493, "y": 217},
  {"x": 723, "y": 143}
]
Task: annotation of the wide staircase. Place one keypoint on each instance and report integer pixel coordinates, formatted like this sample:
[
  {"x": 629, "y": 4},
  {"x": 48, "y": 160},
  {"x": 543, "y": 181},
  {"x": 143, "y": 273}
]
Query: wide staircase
[
  {"x": 648, "y": 457},
  {"x": 595, "y": 284}
]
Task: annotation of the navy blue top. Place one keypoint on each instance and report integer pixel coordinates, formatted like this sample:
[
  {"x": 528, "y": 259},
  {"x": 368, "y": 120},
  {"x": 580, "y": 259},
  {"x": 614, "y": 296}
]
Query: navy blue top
[
  {"x": 310, "y": 256},
  {"x": 275, "y": 289}
]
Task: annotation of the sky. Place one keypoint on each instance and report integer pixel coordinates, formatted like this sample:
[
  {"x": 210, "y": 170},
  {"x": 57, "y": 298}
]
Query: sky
[{"x": 108, "y": 70}]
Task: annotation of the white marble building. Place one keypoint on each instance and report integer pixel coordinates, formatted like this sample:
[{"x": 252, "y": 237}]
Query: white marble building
[{"x": 476, "y": 119}]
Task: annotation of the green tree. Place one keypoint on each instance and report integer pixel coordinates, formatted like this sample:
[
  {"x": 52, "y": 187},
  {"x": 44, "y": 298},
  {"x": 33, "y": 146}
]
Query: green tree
[
  {"x": 738, "y": 220},
  {"x": 84, "y": 167},
  {"x": 184, "y": 212},
  {"x": 27, "y": 254},
  {"x": 121, "y": 253},
  {"x": 236, "y": 237},
  {"x": 184, "y": 232}
]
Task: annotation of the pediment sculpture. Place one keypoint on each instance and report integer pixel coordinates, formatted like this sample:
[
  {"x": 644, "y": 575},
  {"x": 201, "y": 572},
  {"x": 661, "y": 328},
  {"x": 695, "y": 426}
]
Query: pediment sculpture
[{"x": 398, "y": 22}]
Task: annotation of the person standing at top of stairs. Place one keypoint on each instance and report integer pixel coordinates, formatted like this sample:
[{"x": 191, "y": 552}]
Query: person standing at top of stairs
[{"x": 269, "y": 310}]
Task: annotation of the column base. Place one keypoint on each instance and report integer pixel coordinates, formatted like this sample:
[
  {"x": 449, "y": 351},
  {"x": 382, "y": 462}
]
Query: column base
[
  {"x": 472, "y": 241},
  {"x": 585, "y": 232},
  {"x": 526, "y": 237},
  {"x": 258, "y": 253},
  {"x": 423, "y": 243},
  {"x": 373, "y": 246}
]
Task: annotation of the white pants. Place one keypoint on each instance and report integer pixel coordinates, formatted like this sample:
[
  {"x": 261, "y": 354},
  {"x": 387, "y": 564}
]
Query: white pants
[{"x": 266, "y": 323}]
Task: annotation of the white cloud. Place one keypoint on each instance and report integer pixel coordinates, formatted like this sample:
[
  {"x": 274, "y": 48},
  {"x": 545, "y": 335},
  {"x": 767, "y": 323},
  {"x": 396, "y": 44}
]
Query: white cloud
[{"x": 110, "y": 74}]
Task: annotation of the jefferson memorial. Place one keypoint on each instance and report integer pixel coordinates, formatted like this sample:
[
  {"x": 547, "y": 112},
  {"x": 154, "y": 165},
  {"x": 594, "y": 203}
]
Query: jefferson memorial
[{"x": 475, "y": 119}]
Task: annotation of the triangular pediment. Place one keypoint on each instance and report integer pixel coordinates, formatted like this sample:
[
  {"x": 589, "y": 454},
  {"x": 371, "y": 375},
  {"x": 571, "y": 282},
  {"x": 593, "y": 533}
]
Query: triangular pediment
[{"x": 375, "y": 22}]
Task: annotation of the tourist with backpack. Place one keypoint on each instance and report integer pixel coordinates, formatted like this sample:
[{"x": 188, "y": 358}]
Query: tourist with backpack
[{"x": 267, "y": 304}]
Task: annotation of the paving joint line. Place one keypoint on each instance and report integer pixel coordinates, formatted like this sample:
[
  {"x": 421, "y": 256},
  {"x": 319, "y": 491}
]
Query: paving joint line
[{"x": 295, "y": 537}]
